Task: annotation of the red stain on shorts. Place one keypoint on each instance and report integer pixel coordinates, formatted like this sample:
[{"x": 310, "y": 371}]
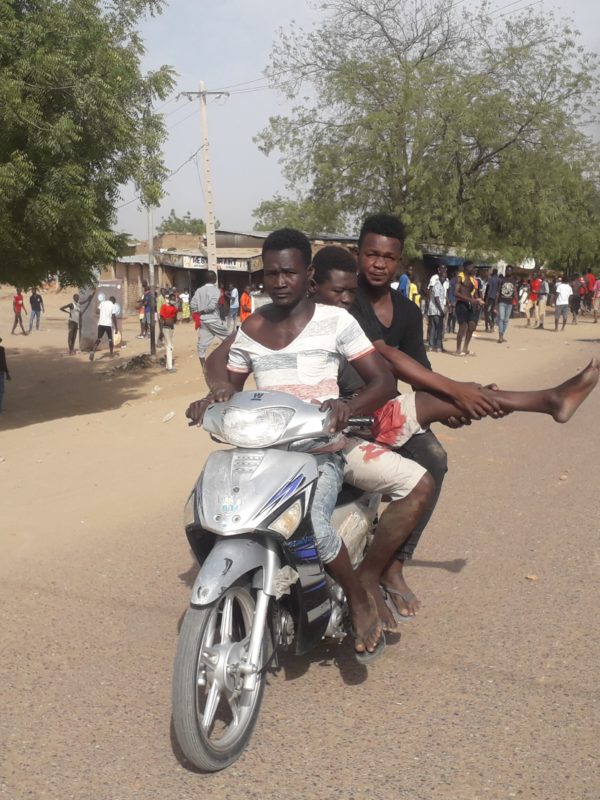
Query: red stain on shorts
[{"x": 371, "y": 451}]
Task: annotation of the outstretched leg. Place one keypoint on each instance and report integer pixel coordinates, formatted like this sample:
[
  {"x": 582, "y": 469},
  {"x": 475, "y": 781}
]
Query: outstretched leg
[{"x": 560, "y": 402}]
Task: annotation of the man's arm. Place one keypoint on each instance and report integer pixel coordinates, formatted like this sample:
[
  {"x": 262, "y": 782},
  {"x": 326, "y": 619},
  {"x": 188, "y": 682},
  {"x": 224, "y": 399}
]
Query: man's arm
[
  {"x": 66, "y": 308},
  {"x": 114, "y": 322},
  {"x": 235, "y": 381},
  {"x": 467, "y": 395}
]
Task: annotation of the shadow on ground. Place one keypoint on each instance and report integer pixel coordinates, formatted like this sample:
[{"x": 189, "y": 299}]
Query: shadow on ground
[{"x": 47, "y": 384}]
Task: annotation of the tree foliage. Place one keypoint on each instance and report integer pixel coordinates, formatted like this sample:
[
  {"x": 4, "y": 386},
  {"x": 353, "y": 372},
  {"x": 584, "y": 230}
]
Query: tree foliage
[
  {"x": 185, "y": 224},
  {"x": 468, "y": 124},
  {"x": 74, "y": 127}
]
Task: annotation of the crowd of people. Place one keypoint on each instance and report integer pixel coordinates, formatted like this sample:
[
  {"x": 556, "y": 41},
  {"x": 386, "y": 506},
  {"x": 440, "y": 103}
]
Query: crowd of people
[{"x": 471, "y": 295}]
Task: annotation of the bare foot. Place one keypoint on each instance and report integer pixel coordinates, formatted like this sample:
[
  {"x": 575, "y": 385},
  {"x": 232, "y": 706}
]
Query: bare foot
[
  {"x": 404, "y": 598},
  {"x": 371, "y": 586},
  {"x": 567, "y": 397},
  {"x": 366, "y": 624}
]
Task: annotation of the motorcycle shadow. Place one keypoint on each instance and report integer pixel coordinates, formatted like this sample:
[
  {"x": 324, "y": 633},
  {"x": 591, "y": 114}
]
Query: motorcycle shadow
[{"x": 329, "y": 653}]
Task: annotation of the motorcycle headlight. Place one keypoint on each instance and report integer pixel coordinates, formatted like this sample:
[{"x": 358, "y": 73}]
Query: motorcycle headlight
[
  {"x": 286, "y": 523},
  {"x": 259, "y": 428},
  {"x": 189, "y": 511}
]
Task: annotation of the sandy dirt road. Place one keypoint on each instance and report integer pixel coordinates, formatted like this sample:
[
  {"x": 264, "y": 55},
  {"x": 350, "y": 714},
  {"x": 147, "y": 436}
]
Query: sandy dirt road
[{"x": 491, "y": 693}]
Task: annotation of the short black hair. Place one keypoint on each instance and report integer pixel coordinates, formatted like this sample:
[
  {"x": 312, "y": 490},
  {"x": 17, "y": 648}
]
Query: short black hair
[
  {"x": 332, "y": 257},
  {"x": 383, "y": 225},
  {"x": 211, "y": 277},
  {"x": 467, "y": 264},
  {"x": 289, "y": 239}
]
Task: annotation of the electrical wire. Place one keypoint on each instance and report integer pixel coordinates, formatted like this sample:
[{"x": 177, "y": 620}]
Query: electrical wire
[{"x": 169, "y": 176}]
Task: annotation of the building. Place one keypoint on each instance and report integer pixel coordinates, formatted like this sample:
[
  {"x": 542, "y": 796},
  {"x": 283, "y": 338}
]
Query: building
[{"x": 181, "y": 261}]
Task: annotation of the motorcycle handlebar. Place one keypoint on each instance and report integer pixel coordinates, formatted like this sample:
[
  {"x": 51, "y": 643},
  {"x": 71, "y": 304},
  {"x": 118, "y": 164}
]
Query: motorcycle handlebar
[{"x": 360, "y": 422}]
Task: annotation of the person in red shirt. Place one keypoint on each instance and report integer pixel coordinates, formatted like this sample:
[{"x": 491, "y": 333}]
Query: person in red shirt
[
  {"x": 168, "y": 315},
  {"x": 536, "y": 285},
  {"x": 18, "y": 308},
  {"x": 590, "y": 282}
]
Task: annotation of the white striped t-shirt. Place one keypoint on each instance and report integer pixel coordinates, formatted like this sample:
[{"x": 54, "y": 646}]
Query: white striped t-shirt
[{"x": 308, "y": 366}]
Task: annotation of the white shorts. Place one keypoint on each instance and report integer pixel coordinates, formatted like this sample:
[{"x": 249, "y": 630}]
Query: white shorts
[
  {"x": 374, "y": 468},
  {"x": 397, "y": 421}
]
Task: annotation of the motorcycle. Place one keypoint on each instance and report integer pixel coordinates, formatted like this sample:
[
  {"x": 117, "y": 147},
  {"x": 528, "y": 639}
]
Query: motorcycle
[{"x": 261, "y": 586}]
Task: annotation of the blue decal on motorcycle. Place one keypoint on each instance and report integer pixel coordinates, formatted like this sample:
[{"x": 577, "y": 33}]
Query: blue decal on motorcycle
[{"x": 284, "y": 492}]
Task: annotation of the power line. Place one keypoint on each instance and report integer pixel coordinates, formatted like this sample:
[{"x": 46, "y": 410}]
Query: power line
[{"x": 169, "y": 176}]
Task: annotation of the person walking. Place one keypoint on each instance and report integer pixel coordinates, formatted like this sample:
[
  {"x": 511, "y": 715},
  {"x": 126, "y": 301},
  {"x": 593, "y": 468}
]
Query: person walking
[
  {"x": 543, "y": 293},
  {"x": 185, "y": 305},
  {"x": 73, "y": 309},
  {"x": 245, "y": 304},
  {"x": 234, "y": 307},
  {"x": 575, "y": 298},
  {"x": 596, "y": 300},
  {"x": 205, "y": 303},
  {"x": 564, "y": 292},
  {"x": 4, "y": 373},
  {"x": 531, "y": 304},
  {"x": 437, "y": 309},
  {"x": 467, "y": 307},
  {"x": 490, "y": 296},
  {"x": 107, "y": 320},
  {"x": 507, "y": 292},
  {"x": 36, "y": 303},
  {"x": 168, "y": 318},
  {"x": 451, "y": 299},
  {"x": 18, "y": 308}
]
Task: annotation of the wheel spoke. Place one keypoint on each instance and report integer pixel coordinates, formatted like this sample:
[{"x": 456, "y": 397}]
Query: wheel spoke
[
  {"x": 227, "y": 619},
  {"x": 210, "y": 707}
]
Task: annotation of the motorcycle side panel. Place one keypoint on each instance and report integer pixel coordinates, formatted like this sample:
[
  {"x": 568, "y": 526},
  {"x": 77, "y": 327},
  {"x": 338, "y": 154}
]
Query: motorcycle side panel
[
  {"x": 239, "y": 489},
  {"x": 309, "y": 598}
]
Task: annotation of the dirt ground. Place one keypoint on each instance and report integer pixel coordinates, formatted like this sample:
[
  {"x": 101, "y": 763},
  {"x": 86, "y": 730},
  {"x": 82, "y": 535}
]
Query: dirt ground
[{"x": 492, "y": 692}]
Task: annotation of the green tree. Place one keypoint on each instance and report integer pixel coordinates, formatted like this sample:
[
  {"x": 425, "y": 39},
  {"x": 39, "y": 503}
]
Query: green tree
[
  {"x": 74, "y": 127},
  {"x": 437, "y": 113},
  {"x": 185, "y": 224},
  {"x": 305, "y": 215}
]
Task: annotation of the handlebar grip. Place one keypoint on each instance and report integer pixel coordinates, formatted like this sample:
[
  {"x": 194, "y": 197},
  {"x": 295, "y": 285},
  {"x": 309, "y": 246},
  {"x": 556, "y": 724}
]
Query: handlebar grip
[{"x": 360, "y": 422}]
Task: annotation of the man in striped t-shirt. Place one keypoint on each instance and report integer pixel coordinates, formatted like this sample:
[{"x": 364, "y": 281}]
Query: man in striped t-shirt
[{"x": 296, "y": 346}]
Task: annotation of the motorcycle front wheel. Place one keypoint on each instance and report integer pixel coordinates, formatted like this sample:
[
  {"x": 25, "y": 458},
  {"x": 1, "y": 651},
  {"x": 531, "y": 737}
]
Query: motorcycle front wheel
[{"x": 213, "y": 716}]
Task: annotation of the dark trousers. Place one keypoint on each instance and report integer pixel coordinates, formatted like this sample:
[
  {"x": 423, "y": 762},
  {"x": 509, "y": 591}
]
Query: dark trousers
[
  {"x": 436, "y": 331},
  {"x": 72, "y": 335},
  {"x": 425, "y": 449}
]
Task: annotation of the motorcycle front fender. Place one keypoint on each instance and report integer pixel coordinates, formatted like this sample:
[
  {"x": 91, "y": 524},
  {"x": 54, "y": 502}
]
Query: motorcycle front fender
[{"x": 229, "y": 560}]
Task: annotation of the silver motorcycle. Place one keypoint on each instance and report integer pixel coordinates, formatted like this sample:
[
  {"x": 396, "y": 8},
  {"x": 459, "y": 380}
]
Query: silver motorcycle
[{"x": 261, "y": 586}]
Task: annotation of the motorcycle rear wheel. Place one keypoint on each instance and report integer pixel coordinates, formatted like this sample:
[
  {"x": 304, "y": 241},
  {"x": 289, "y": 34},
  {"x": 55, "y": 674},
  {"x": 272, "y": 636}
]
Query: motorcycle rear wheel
[{"x": 213, "y": 717}]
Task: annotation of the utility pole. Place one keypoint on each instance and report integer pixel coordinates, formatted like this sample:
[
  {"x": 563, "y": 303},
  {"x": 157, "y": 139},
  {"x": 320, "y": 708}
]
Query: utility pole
[
  {"x": 151, "y": 280},
  {"x": 211, "y": 239}
]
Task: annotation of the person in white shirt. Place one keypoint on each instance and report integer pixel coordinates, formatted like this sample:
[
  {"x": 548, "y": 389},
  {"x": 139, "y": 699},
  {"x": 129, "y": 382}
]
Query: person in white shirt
[
  {"x": 107, "y": 319},
  {"x": 564, "y": 291}
]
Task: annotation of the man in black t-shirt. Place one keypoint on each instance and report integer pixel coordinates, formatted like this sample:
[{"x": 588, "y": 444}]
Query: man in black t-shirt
[
  {"x": 395, "y": 326},
  {"x": 37, "y": 306}
]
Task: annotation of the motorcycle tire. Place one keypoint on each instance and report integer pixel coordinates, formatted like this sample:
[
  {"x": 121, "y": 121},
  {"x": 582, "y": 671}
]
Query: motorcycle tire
[{"x": 212, "y": 716}]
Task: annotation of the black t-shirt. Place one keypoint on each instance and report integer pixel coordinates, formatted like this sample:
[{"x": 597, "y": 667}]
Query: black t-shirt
[
  {"x": 507, "y": 290},
  {"x": 405, "y": 332},
  {"x": 35, "y": 302}
]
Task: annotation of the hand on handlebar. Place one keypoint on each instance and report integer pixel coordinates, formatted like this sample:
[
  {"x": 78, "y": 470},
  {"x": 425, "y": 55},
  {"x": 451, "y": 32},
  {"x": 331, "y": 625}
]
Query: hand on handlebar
[
  {"x": 196, "y": 410},
  {"x": 340, "y": 414}
]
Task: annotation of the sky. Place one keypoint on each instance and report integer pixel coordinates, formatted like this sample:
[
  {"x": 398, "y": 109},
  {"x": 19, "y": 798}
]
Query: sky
[{"x": 226, "y": 44}]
